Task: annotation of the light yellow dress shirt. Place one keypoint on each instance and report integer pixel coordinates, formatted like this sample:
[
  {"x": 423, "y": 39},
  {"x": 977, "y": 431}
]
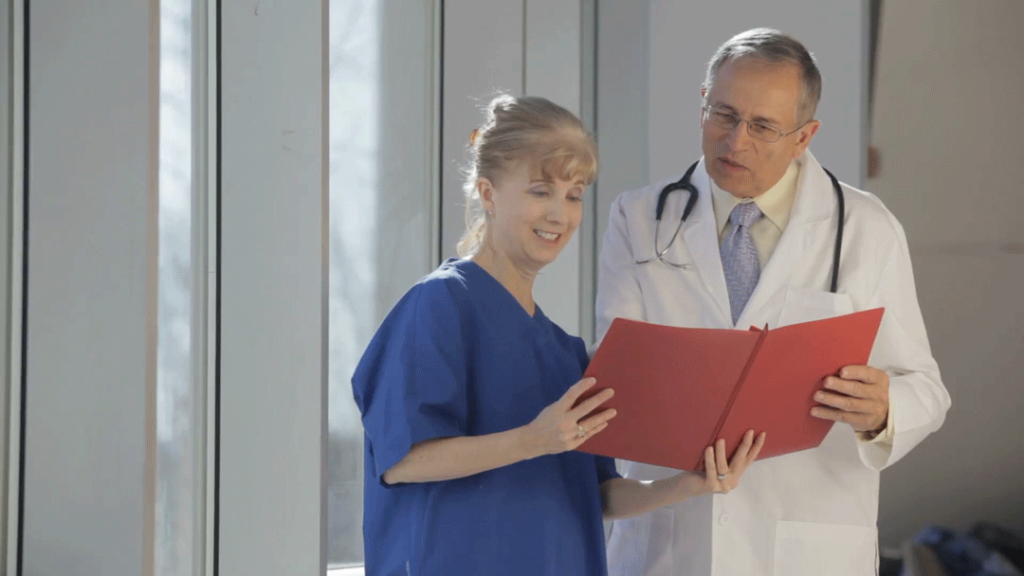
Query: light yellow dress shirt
[{"x": 775, "y": 204}]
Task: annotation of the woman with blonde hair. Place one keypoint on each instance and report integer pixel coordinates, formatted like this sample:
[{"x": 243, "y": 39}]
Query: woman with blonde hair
[{"x": 469, "y": 393}]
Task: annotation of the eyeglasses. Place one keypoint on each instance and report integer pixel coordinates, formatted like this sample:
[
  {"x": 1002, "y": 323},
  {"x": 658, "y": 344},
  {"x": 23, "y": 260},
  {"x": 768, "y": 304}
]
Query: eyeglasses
[{"x": 728, "y": 121}]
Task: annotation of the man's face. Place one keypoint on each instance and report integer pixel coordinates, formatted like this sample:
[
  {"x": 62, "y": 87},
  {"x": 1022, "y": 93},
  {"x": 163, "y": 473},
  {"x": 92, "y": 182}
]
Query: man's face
[{"x": 756, "y": 91}]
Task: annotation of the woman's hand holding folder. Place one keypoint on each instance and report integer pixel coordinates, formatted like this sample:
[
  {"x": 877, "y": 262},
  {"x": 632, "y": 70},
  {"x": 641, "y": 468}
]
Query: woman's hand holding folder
[
  {"x": 719, "y": 475},
  {"x": 625, "y": 498}
]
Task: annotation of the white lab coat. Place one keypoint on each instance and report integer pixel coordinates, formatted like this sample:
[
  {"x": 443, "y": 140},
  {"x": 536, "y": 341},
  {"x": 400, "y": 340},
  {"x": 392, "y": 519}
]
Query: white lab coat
[{"x": 814, "y": 512}]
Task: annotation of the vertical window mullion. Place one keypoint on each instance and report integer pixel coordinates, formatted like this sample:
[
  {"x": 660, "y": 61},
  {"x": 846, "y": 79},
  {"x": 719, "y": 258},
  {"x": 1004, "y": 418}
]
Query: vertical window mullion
[{"x": 12, "y": 275}]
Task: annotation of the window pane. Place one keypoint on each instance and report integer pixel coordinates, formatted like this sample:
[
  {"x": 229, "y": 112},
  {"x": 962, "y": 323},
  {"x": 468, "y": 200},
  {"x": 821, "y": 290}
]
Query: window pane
[
  {"x": 382, "y": 110},
  {"x": 176, "y": 440}
]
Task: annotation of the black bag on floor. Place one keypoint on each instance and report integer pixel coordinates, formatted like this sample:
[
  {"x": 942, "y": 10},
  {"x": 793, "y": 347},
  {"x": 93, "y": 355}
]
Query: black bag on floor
[
  {"x": 964, "y": 555},
  {"x": 1006, "y": 542}
]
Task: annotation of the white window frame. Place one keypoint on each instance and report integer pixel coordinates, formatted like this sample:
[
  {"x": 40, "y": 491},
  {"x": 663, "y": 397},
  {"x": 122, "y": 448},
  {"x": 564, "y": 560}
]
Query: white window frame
[
  {"x": 90, "y": 345},
  {"x": 14, "y": 42},
  {"x": 272, "y": 302}
]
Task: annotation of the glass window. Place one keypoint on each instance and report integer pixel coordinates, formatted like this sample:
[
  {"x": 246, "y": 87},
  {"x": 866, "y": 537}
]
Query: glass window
[
  {"x": 177, "y": 515},
  {"x": 383, "y": 206}
]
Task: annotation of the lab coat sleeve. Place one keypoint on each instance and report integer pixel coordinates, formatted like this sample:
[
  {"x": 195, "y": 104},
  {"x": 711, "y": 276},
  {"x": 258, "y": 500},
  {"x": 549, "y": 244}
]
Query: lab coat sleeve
[
  {"x": 410, "y": 385},
  {"x": 618, "y": 289},
  {"x": 918, "y": 401}
]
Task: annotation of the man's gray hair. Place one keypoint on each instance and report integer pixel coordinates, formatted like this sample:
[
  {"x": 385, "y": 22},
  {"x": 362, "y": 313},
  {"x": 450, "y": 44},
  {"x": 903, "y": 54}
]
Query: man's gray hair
[{"x": 775, "y": 47}]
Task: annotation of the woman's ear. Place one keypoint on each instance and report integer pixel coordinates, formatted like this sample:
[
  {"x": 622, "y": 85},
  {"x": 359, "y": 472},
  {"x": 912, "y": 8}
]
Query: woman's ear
[{"x": 485, "y": 188}]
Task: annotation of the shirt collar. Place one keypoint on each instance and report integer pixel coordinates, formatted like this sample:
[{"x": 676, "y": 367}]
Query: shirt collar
[{"x": 775, "y": 204}]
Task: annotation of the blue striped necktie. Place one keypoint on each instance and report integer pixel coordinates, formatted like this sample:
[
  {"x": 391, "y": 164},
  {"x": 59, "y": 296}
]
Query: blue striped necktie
[{"x": 739, "y": 257}]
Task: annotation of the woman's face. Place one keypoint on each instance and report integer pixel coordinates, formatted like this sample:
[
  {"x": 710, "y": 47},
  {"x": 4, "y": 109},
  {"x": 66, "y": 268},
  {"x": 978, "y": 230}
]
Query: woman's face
[{"x": 533, "y": 219}]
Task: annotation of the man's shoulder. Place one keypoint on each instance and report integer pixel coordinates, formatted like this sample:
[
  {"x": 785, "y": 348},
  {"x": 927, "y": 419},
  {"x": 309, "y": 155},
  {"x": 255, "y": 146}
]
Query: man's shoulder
[
  {"x": 864, "y": 210},
  {"x": 869, "y": 212},
  {"x": 644, "y": 197}
]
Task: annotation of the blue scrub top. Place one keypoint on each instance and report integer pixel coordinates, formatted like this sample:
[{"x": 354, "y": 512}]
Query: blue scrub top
[{"x": 459, "y": 356}]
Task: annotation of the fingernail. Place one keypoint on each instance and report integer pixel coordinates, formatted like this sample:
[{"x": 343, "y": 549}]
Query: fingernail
[{"x": 819, "y": 396}]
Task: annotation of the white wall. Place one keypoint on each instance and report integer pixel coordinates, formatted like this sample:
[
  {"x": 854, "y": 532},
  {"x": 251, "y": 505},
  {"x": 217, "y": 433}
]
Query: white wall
[
  {"x": 948, "y": 123},
  {"x": 91, "y": 321}
]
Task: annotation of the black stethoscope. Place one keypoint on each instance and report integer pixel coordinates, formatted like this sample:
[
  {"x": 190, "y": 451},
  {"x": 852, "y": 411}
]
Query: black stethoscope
[{"x": 684, "y": 184}]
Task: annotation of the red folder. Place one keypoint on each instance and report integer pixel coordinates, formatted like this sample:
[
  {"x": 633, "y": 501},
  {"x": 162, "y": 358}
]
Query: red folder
[{"x": 677, "y": 390}]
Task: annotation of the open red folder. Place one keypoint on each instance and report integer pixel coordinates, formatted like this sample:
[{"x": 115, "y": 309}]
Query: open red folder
[{"x": 677, "y": 390}]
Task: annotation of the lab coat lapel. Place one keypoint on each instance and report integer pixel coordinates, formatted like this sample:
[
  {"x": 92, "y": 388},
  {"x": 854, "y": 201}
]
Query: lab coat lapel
[
  {"x": 814, "y": 202},
  {"x": 701, "y": 235}
]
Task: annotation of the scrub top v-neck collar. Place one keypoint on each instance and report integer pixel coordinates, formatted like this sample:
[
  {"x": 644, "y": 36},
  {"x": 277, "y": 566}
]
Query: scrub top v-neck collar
[{"x": 538, "y": 315}]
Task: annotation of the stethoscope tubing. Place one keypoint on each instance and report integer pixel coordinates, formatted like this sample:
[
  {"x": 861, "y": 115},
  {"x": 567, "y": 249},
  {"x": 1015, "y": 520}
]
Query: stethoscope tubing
[{"x": 685, "y": 184}]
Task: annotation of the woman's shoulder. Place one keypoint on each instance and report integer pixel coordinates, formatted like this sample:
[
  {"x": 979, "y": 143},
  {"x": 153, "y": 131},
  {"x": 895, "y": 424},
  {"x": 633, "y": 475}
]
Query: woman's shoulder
[
  {"x": 443, "y": 292},
  {"x": 434, "y": 304},
  {"x": 562, "y": 336},
  {"x": 569, "y": 342},
  {"x": 449, "y": 282}
]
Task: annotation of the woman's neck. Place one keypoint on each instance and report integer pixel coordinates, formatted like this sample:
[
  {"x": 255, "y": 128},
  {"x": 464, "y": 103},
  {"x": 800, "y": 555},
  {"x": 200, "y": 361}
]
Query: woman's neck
[{"x": 515, "y": 279}]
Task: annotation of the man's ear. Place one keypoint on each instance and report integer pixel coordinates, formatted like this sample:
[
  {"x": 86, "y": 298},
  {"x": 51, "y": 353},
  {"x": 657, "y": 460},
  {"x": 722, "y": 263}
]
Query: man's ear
[
  {"x": 703, "y": 96},
  {"x": 805, "y": 135}
]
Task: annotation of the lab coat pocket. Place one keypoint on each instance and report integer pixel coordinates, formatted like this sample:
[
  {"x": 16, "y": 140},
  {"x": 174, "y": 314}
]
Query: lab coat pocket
[
  {"x": 807, "y": 304},
  {"x": 813, "y": 549}
]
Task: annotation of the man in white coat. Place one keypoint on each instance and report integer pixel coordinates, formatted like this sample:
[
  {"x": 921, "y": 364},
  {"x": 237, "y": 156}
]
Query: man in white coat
[{"x": 758, "y": 249}]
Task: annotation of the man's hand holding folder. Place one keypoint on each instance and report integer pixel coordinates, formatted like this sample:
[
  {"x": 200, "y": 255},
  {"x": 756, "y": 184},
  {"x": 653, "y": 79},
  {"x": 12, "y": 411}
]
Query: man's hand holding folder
[{"x": 679, "y": 390}]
